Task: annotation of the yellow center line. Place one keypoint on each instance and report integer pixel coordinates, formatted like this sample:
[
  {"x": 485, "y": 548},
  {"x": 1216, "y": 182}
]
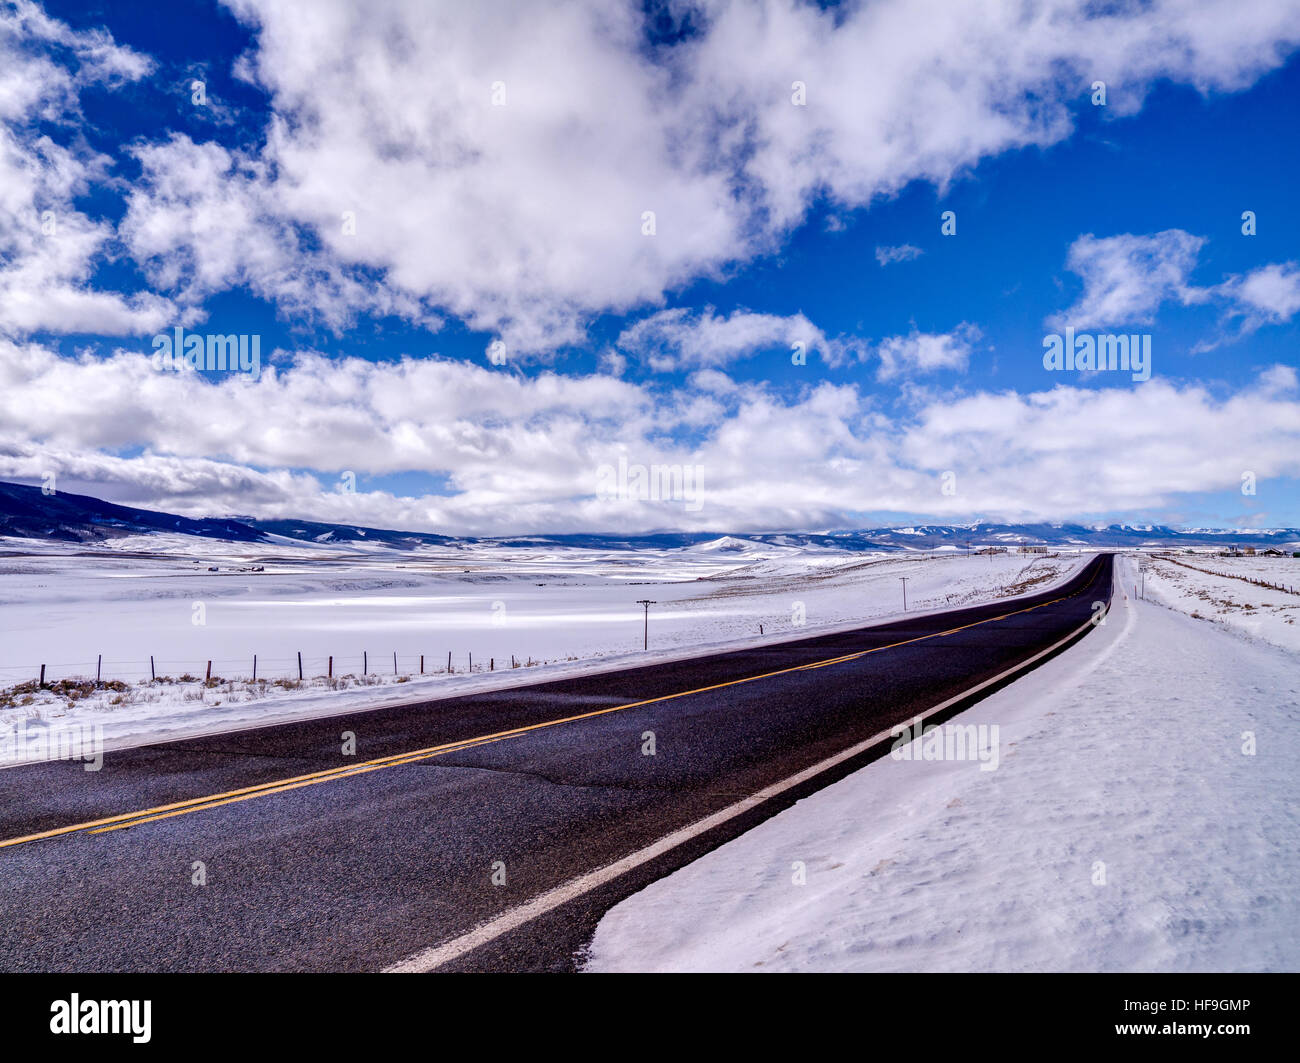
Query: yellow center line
[
  {"x": 357, "y": 770},
  {"x": 198, "y": 804},
  {"x": 192, "y": 804}
]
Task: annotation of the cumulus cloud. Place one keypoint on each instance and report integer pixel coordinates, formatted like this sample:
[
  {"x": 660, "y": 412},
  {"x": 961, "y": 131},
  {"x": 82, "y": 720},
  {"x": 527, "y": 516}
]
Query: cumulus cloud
[
  {"x": 48, "y": 248},
  {"x": 201, "y": 221},
  {"x": 926, "y": 352},
  {"x": 523, "y": 168},
  {"x": 1268, "y": 295},
  {"x": 502, "y": 160},
  {"x": 318, "y": 413},
  {"x": 685, "y": 339},
  {"x": 1279, "y": 379},
  {"x": 522, "y": 454},
  {"x": 1126, "y": 278},
  {"x": 1044, "y": 454},
  {"x": 498, "y": 159}
]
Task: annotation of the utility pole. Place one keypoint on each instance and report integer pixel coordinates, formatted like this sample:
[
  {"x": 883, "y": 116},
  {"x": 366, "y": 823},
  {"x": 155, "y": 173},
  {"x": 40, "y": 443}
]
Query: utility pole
[
  {"x": 904, "y": 579},
  {"x": 645, "y": 635}
]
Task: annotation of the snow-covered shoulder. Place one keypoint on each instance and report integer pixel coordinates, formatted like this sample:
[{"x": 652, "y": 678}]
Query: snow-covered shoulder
[{"x": 1141, "y": 817}]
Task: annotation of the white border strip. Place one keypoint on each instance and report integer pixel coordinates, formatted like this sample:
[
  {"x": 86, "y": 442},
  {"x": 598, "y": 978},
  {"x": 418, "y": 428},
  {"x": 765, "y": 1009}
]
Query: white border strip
[{"x": 438, "y": 955}]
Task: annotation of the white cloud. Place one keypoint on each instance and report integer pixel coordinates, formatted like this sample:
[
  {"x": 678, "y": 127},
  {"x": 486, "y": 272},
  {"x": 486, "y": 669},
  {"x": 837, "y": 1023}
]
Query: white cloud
[
  {"x": 1270, "y": 294},
  {"x": 903, "y": 90},
  {"x": 317, "y": 413},
  {"x": 1046, "y": 454},
  {"x": 1126, "y": 278},
  {"x": 31, "y": 83},
  {"x": 526, "y": 219},
  {"x": 48, "y": 248},
  {"x": 201, "y": 221},
  {"x": 521, "y": 454},
  {"x": 926, "y": 352},
  {"x": 1279, "y": 379},
  {"x": 684, "y": 339},
  {"x": 521, "y": 218},
  {"x": 902, "y": 253}
]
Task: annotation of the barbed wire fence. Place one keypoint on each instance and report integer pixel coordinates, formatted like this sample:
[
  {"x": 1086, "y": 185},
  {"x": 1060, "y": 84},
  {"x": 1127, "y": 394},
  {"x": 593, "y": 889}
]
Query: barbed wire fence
[{"x": 257, "y": 668}]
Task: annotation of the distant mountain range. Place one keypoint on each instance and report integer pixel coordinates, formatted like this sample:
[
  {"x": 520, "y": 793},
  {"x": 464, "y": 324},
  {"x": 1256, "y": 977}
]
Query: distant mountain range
[
  {"x": 26, "y": 512},
  {"x": 30, "y": 513}
]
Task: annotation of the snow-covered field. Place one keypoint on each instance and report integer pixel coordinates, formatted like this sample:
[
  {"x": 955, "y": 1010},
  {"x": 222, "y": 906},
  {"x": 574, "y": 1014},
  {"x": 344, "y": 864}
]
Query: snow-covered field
[
  {"x": 1217, "y": 589},
  {"x": 187, "y": 601},
  {"x": 1143, "y": 816}
]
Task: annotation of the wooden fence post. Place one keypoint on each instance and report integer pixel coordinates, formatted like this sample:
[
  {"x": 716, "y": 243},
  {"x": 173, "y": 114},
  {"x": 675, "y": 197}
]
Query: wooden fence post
[{"x": 300, "y": 666}]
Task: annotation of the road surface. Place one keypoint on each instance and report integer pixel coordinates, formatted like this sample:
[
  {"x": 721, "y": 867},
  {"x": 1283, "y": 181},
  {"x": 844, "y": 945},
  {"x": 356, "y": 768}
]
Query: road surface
[{"x": 483, "y": 832}]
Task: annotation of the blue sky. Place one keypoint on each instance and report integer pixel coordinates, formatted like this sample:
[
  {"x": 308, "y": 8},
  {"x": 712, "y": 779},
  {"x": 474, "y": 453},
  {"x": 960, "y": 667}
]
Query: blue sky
[{"x": 497, "y": 168}]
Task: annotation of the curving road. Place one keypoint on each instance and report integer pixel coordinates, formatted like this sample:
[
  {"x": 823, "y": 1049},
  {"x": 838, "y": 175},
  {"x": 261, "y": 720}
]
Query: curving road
[{"x": 484, "y": 832}]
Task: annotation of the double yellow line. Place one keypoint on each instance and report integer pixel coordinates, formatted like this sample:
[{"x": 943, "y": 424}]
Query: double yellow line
[
  {"x": 247, "y": 793},
  {"x": 198, "y": 804}
]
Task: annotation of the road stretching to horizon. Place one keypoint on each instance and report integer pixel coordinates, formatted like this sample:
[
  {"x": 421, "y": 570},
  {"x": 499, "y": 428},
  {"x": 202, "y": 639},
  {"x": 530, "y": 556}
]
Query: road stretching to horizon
[{"x": 487, "y": 832}]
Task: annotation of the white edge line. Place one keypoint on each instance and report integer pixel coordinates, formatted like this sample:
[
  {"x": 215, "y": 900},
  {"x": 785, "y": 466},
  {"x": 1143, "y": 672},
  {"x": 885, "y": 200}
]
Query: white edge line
[{"x": 438, "y": 955}]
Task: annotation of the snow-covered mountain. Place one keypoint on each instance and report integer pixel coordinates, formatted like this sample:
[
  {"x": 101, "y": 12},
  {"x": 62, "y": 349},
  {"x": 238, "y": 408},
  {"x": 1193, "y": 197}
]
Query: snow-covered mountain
[
  {"x": 29, "y": 513},
  {"x": 26, "y": 512}
]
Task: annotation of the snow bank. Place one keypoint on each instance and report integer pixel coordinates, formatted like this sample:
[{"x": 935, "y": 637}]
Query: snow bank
[{"x": 1124, "y": 829}]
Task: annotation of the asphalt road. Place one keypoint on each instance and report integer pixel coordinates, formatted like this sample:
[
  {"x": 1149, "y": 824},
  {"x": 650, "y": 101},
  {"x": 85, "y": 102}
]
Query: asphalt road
[{"x": 316, "y": 860}]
